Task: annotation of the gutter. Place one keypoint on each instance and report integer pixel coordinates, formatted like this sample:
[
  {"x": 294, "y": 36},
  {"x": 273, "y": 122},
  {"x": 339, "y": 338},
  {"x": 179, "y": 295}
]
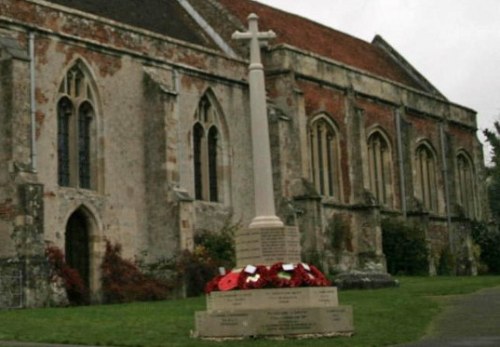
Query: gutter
[
  {"x": 445, "y": 181},
  {"x": 401, "y": 163}
]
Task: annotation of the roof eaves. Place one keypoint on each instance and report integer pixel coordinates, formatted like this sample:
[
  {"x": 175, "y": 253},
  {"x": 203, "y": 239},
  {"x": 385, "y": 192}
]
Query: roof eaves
[
  {"x": 118, "y": 25},
  {"x": 287, "y": 47}
]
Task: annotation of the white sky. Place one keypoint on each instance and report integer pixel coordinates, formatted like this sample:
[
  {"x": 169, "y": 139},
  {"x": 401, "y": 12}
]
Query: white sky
[{"x": 455, "y": 44}]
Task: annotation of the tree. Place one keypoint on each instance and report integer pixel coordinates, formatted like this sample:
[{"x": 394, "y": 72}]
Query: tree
[
  {"x": 488, "y": 236},
  {"x": 493, "y": 137}
]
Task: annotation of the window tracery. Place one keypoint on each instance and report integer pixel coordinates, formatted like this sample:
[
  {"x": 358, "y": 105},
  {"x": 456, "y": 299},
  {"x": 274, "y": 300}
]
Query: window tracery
[
  {"x": 380, "y": 168},
  {"x": 426, "y": 186},
  {"x": 325, "y": 159},
  {"x": 75, "y": 129},
  {"x": 206, "y": 149},
  {"x": 466, "y": 185}
]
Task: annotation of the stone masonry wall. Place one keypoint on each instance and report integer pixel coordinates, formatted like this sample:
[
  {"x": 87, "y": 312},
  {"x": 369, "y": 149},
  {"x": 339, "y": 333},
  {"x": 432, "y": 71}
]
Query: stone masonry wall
[
  {"x": 358, "y": 103},
  {"x": 143, "y": 131}
]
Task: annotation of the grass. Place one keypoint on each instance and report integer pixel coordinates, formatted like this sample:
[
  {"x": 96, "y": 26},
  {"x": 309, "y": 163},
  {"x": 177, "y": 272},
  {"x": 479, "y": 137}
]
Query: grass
[{"x": 381, "y": 318}]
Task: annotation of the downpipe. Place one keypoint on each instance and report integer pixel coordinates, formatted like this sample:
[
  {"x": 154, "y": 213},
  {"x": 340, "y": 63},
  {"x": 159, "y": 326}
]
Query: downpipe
[{"x": 33, "y": 148}]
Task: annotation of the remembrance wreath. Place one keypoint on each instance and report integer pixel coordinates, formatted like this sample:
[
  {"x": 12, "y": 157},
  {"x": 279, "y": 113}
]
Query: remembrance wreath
[{"x": 278, "y": 275}]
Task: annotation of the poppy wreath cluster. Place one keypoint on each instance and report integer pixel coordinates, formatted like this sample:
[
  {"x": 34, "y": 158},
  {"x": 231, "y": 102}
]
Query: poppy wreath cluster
[{"x": 278, "y": 275}]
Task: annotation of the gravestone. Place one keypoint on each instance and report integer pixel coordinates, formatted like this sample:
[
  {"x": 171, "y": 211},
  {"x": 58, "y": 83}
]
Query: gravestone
[{"x": 300, "y": 311}]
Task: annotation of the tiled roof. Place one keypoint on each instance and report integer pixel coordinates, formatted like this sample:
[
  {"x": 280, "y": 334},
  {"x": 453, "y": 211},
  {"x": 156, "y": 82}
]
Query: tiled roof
[
  {"x": 310, "y": 36},
  {"x": 161, "y": 16}
]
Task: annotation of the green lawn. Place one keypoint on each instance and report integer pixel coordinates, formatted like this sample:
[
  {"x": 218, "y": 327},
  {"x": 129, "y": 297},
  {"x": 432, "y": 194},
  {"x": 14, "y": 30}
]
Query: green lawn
[{"x": 381, "y": 318}]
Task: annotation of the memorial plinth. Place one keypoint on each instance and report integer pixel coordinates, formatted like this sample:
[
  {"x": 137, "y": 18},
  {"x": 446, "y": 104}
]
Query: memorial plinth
[
  {"x": 288, "y": 312},
  {"x": 267, "y": 246}
]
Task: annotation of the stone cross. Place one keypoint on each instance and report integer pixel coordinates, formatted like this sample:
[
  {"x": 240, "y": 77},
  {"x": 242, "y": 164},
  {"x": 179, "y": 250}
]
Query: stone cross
[{"x": 265, "y": 215}]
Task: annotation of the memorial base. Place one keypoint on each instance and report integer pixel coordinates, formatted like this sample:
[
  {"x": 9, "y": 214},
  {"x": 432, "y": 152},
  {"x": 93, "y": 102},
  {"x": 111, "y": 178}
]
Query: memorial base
[
  {"x": 288, "y": 312},
  {"x": 267, "y": 246}
]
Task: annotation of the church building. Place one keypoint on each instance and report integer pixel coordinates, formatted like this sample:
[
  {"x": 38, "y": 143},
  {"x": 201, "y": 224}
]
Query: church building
[{"x": 129, "y": 121}]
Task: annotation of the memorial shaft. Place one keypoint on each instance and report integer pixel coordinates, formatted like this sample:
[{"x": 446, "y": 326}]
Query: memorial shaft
[{"x": 265, "y": 215}]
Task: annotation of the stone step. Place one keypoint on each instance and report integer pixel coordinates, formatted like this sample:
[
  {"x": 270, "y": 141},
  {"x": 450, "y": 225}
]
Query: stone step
[
  {"x": 303, "y": 297},
  {"x": 328, "y": 321}
]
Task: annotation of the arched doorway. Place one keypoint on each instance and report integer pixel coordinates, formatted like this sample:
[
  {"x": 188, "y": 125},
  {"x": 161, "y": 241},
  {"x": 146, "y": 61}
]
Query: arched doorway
[{"x": 77, "y": 247}]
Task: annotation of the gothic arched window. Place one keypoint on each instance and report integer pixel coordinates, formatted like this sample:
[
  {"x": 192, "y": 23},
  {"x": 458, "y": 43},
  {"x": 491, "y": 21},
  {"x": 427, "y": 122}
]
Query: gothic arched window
[
  {"x": 325, "y": 157},
  {"x": 466, "y": 185},
  {"x": 380, "y": 164},
  {"x": 76, "y": 130},
  {"x": 85, "y": 117},
  {"x": 213, "y": 136},
  {"x": 206, "y": 152},
  {"x": 198, "y": 140},
  {"x": 426, "y": 186},
  {"x": 64, "y": 112}
]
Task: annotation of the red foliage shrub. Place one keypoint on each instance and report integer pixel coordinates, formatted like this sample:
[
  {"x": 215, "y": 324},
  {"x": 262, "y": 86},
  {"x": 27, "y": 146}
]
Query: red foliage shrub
[
  {"x": 75, "y": 288},
  {"x": 123, "y": 281}
]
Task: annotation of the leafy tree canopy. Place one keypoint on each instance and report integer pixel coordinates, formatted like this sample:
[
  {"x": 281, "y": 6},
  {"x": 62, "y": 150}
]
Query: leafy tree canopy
[{"x": 493, "y": 138}]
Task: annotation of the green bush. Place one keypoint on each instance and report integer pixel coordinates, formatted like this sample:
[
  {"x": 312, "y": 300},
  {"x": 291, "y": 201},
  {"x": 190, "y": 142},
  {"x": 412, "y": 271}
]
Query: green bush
[
  {"x": 212, "y": 250},
  {"x": 219, "y": 245},
  {"x": 338, "y": 234},
  {"x": 446, "y": 263},
  {"x": 405, "y": 248},
  {"x": 195, "y": 269},
  {"x": 488, "y": 240},
  {"x": 191, "y": 270}
]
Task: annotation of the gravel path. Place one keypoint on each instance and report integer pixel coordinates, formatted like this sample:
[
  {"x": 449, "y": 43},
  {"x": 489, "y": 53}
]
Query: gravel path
[{"x": 470, "y": 320}]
